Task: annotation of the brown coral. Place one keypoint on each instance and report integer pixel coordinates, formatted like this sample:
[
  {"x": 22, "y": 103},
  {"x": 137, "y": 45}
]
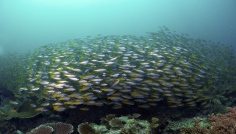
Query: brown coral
[
  {"x": 105, "y": 120},
  {"x": 42, "y": 129},
  {"x": 219, "y": 124},
  {"x": 223, "y": 123},
  {"x": 56, "y": 128},
  {"x": 61, "y": 128},
  {"x": 85, "y": 128}
]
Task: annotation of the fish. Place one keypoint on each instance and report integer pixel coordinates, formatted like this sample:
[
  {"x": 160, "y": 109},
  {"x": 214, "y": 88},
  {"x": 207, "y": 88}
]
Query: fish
[
  {"x": 70, "y": 89},
  {"x": 84, "y": 108},
  {"x": 99, "y": 70},
  {"x": 120, "y": 70},
  {"x": 41, "y": 109},
  {"x": 59, "y": 108}
]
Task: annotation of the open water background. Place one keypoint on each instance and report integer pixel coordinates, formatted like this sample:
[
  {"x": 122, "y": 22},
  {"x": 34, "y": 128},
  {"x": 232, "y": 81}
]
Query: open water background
[{"x": 27, "y": 24}]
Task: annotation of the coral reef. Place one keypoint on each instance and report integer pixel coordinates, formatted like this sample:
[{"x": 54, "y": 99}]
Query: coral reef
[
  {"x": 115, "y": 123},
  {"x": 196, "y": 129},
  {"x": 119, "y": 125},
  {"x": 224, "y": 123},
  {"x": 53, "y": 128},
  {"x": 85, "y": 128},
  {"x": 182, "y": 123},
  {"x": 219, "y": 124},
  {"x": 42, "y": 129},
  {"x": 61, "y": 128}
]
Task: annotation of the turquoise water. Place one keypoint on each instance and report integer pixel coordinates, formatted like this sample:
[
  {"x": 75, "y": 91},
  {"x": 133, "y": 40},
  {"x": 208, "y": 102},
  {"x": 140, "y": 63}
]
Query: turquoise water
[{"x": 27, "y": 24}]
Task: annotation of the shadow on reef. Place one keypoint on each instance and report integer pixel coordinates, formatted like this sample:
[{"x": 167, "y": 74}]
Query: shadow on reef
[
  {"x": 97, "y": 114},
  {"x": 97, "y": 122}
]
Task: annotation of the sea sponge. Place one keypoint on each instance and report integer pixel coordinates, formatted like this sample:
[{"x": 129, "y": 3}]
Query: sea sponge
[
  {"x": 85, "y": 128},
  {"x": 42, "y": 129}
]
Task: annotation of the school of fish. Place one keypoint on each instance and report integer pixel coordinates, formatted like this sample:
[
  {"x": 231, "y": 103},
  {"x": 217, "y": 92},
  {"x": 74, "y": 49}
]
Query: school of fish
[{"x": 119, "y": 70}]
